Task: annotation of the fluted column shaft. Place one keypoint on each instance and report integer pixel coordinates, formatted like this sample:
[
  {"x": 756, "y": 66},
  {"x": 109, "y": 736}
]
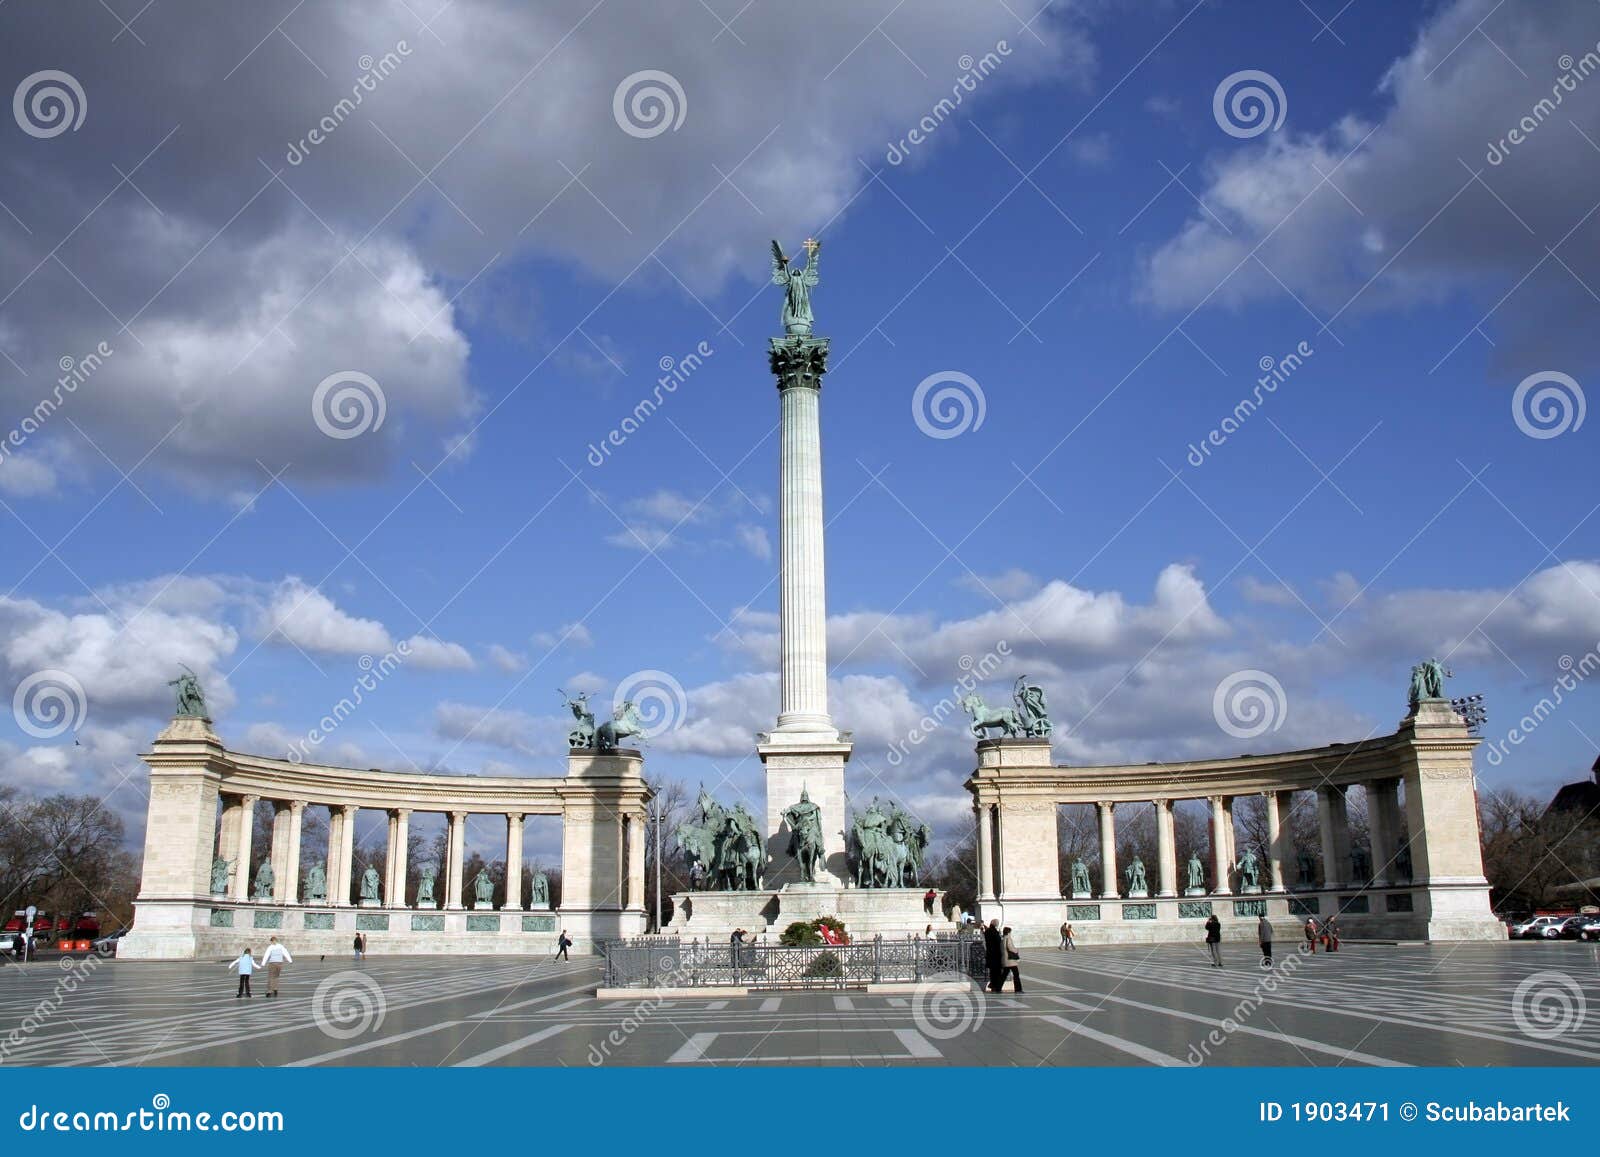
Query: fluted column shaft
[
  {"x": 1278, "y": 839},
  {"x": 1166, "y": 848},
  {"x": 803, "y": 614},
  {"x": 1108, "y": 849},
  {"x": 514, "y": 860},
  {"x": 985, "y": 853},
  {"x": 1220, "y": 863},
  {"x": 247, "y": 831},
  {"x": 454, "y": 859}
]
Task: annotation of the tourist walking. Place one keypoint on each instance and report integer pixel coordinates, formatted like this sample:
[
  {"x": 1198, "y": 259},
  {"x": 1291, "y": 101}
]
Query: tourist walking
[
  {"x": 1311, "y": 936},
  {"x": 1013, "y": 962},
  {"x": 1264, "y": 937},
  {"x": 563, "y": 942},
  {"x": 1330, "y": 932},
  {"x": 275, "y": 957},
  {"x": 994, "y": 954},
  {"x": 1214, "y": 939},
  {"x": 360, "y": 946},
  {"x": 246, "y": 964},
  {"x": 1066, "y": 937}
]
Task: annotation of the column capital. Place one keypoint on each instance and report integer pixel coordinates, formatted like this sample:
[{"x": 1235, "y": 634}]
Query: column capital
[
  {"x": 798, "y": 360},
  {"x": 249, "y": 800},
  {"x": 400, "y": 813},
  {"x": 298, "y": 806},
  {"x": 348, "y": 810},
  {"x": 519, "y": 817},
  {"x": 459, "y": 817}
]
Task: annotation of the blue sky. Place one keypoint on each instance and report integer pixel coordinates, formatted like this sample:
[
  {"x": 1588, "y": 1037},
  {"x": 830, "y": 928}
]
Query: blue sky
[{"x": 1082, "y": 238}]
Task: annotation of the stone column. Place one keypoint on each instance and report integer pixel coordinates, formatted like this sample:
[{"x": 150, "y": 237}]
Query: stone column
[
  {"x": 281, "y": 818},
  {"x": 228, "y": 831},
  {"x": 514, "y": 860},
  {"x": 635, "y": 861},
  {"x": 1221, "y": 864},
  {"x": 1330, "y": 813},
  {"x": 289, "y": 882},
  {"x": 985, "y": 852},
  {"x": 394, "y": 890},
  {"x": 1108, "y": 850},
  {"x": 335, "y": 842},
  {"x": 340, "y": 889},
  {"x": 1279, "y": 834},
  {"x": 799, "y": 362},
  {"x": 1166, "y": 847},
  {"x": 1230, "y": 829},
  {"x": 1380, "y": 839},
  {"x": 247, "y": 831},
  {"x": 455, "y": 857}
]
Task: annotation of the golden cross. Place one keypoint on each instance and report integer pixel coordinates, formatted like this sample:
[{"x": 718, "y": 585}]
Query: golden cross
[{"x": 812, "y": 245}]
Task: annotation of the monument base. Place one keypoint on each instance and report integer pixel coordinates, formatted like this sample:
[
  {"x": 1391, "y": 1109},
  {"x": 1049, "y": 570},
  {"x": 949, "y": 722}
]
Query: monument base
[
  {"x": 1194, "y": 891},
  {"x": 1084, "y": 895},
  {"x": 1139, "y": 894},
  {"x": 864, "y": 912},
  {"x": 372, "y": 903}
]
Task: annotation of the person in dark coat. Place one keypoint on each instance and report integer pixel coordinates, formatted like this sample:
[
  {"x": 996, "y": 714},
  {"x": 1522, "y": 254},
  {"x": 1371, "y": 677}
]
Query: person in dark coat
[
  {"x": 994, "y": 954},
  {"x": 1214, "y": 940},
  {"x": 1013, "y": 959}
]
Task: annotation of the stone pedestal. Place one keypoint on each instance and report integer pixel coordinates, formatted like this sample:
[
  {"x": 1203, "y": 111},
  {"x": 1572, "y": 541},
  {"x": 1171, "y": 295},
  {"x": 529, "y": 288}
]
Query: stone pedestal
[
  {"x": 813, "y": 763},
  {"x": 481, "y": 905},
  {"x": 1194, "y": 891},
  {"x": 372, "y": 903},
  {"x": 1084, "y": 895},
  {"x": 714, "y": 915},
  {"x": 1139, "y": 894}
]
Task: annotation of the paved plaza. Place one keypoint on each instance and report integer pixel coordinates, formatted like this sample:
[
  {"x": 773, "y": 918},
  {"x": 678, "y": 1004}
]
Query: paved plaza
[{"x": 1368, "y": 1005}]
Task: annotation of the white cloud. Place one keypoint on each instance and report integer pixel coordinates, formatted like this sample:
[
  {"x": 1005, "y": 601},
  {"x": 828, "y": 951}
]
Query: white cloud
[
  {"x": 1274, "y": 594},
  {"x": 302, "y": 616},
  {"x": 1400, "y": 203},
  {"x": 506, "y": 660},
  {"x": 568, "y": 634},
  {"x": 435, "y": 655},
  {"x": 755, "y": 540},
  {"x": 1011, "y": 584}
]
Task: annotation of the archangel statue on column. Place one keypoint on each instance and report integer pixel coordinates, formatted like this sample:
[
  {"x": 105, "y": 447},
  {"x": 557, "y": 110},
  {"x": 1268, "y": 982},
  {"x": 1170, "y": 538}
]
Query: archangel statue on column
[{"x": 797, "y": 283}]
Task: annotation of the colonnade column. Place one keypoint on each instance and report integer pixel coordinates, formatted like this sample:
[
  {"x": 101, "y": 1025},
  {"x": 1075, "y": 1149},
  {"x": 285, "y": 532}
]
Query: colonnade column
[
  {"x": 1380, "y": 839},
  {"x": 339, "y": 889},
  {"x": 455, "y": 854},
  {"x": 985, "y": 852},
  {"x": 289, "y": 881},
  {"x": 280, "y": 847},
  {"x": 246, "y": 833},
  {"x": 1166, "y": 848},
  {"x": 1279, "y": 805},
  {"x": 1335, "y": 831},
  {"x": 636, "y": 861},
  {"x": 335, "y": 827},
  {"x": 1221, "y": 863},
  {"x": 1108, "y": 849},
  {"x": 394, "y": 889},
  {"x": 514, "y": 822}
]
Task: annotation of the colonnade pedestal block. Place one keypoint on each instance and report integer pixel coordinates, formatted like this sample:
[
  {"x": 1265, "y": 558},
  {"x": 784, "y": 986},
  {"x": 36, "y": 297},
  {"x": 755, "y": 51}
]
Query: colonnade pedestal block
[
  {"x": 186, "y": 763},
  {"x": 813, "y": 764},
  {"x": 602, "y": 844}
]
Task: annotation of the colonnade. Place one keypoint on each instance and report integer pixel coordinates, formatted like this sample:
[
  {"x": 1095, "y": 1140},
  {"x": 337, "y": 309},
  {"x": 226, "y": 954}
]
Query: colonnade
[{"x": 1279, "y": 868}]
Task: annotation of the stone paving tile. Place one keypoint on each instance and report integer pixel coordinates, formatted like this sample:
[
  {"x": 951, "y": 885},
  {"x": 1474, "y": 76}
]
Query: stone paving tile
[{"x": 1367, "y": 1005}]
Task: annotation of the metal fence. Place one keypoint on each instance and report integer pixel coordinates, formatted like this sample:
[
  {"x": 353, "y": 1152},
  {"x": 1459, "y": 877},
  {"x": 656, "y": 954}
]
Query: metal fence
[{"x": 669, "y": 962}]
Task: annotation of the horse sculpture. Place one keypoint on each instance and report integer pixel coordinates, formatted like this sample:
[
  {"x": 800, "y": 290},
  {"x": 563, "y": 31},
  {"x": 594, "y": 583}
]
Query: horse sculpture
[
  {"x": 725, "y": 844},
  {"x": 986, "y": 718},
  {"x": 624, "y": 722}
]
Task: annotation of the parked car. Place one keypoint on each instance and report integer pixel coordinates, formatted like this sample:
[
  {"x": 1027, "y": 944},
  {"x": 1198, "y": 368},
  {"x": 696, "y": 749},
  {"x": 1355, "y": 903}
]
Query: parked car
[
  {"x": 1539, "y": 928},
  {"x": 1588, "y": 928},
  {"x": 1569, "y": 929},
  {"x": 108, "y": 944}
]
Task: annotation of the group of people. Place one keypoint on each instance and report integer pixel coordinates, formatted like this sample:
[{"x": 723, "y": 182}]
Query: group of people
[
  {"x": 1327, "y": 935},
  {"x": 276, "y": 956},
  {"x": 1001, "y": 956}
]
